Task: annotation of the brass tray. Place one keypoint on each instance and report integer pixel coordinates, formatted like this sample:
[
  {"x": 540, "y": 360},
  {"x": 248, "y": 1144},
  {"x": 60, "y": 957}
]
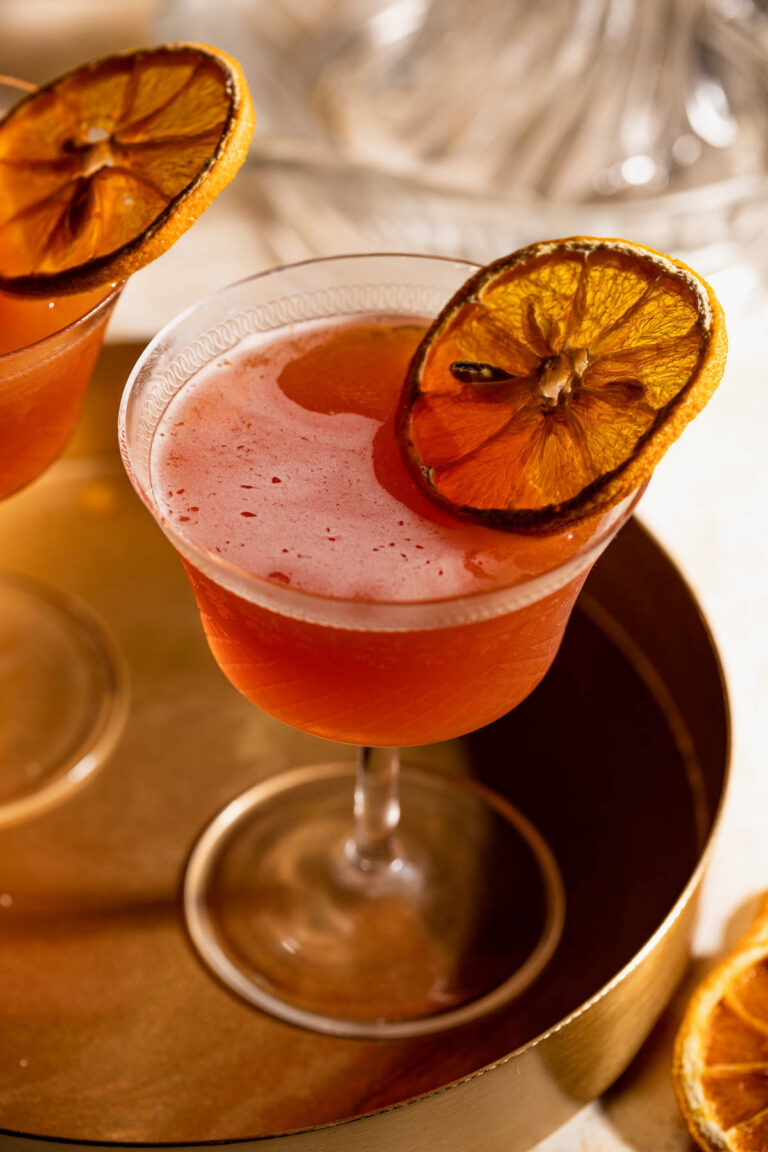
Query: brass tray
[{"x": 112, "y": 1032}]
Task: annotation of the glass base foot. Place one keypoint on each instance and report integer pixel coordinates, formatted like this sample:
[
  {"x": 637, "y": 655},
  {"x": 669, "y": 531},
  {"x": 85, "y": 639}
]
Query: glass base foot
[
  {"x": 63, "y": 697},
  {"x": 460, "y": 922}
]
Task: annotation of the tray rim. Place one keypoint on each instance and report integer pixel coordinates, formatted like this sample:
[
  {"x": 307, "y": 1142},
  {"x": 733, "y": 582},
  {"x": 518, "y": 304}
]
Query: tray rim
[{"x": 683, "y": 903}]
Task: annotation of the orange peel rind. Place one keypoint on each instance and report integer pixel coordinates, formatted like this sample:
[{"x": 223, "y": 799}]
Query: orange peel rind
[{"x": 554, "y": 380}]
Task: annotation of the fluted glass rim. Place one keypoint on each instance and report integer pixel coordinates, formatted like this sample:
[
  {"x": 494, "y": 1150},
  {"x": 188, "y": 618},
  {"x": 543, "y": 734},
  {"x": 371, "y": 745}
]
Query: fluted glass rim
[{"x": 312, "y": 607}]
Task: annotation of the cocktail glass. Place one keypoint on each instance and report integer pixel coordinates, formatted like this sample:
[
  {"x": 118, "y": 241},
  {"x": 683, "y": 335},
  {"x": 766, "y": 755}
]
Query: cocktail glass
[
  {"x": 352, "y": 899},
  {"x": 62, "y": 692}
]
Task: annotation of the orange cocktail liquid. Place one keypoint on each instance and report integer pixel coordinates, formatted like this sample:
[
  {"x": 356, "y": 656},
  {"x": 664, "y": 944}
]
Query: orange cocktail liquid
[
  {"x": 42, "y": 384},
  {"x": 281, "y": 459}
]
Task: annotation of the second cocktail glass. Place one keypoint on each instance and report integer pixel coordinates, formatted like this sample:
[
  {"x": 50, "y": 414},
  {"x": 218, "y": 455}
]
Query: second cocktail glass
[
  {"x": 63, "y": 695},
  {"x": 354, "y": 900}
]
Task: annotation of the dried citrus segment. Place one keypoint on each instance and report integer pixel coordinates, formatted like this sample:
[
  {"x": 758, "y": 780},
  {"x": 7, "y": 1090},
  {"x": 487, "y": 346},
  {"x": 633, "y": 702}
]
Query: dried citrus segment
[
  {"x": 720, "y": 1067},
  {"x": 103, "y": 169},
  {"x": 555, "y": 379}
]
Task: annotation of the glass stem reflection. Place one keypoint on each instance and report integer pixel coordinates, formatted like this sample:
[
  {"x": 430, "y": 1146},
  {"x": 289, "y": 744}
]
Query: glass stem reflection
[{"x": 377, "y": 809}]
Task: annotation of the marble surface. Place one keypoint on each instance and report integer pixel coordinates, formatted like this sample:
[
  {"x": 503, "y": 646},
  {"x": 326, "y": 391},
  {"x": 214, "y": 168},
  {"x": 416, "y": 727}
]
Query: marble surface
[{"x": 706, "y": 506}]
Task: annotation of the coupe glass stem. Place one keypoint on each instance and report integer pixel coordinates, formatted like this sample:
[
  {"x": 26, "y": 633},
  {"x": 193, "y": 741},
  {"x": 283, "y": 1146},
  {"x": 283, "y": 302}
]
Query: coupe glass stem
[{"x": 374, "y": 844}]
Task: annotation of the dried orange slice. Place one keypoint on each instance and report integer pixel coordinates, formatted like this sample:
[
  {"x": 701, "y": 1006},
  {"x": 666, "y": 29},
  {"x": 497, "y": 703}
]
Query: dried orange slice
[
  {"x": 103, "y": 169},
  {"x": 555, "y": 379},
  {"x": 720, "y": 1069}
]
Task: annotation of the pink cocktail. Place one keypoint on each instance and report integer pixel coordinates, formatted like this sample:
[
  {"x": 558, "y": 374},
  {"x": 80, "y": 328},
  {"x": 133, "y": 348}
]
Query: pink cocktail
[
  {"x": 258, "y": 429},
  {"x": 234, "y": 469}
]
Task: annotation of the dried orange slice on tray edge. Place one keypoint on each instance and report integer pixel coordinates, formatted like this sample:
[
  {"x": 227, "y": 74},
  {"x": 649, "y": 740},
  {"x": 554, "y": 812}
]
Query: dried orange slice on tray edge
[
  {"x": 555, "y": 379},
  {"x": 103, "y": 169},
  {"x": 720, "y": 1069}
]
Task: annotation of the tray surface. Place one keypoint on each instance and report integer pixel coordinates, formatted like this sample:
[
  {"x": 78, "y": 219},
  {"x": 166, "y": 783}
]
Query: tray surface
[{"x": 112, "y": 1031}]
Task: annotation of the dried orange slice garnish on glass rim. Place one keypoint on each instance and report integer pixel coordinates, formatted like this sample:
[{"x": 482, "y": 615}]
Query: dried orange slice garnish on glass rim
[
  {"x": 555, "y": 379},
  {"x": 720, "y": 1069},
  {"x": 103, "y": 169}
]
